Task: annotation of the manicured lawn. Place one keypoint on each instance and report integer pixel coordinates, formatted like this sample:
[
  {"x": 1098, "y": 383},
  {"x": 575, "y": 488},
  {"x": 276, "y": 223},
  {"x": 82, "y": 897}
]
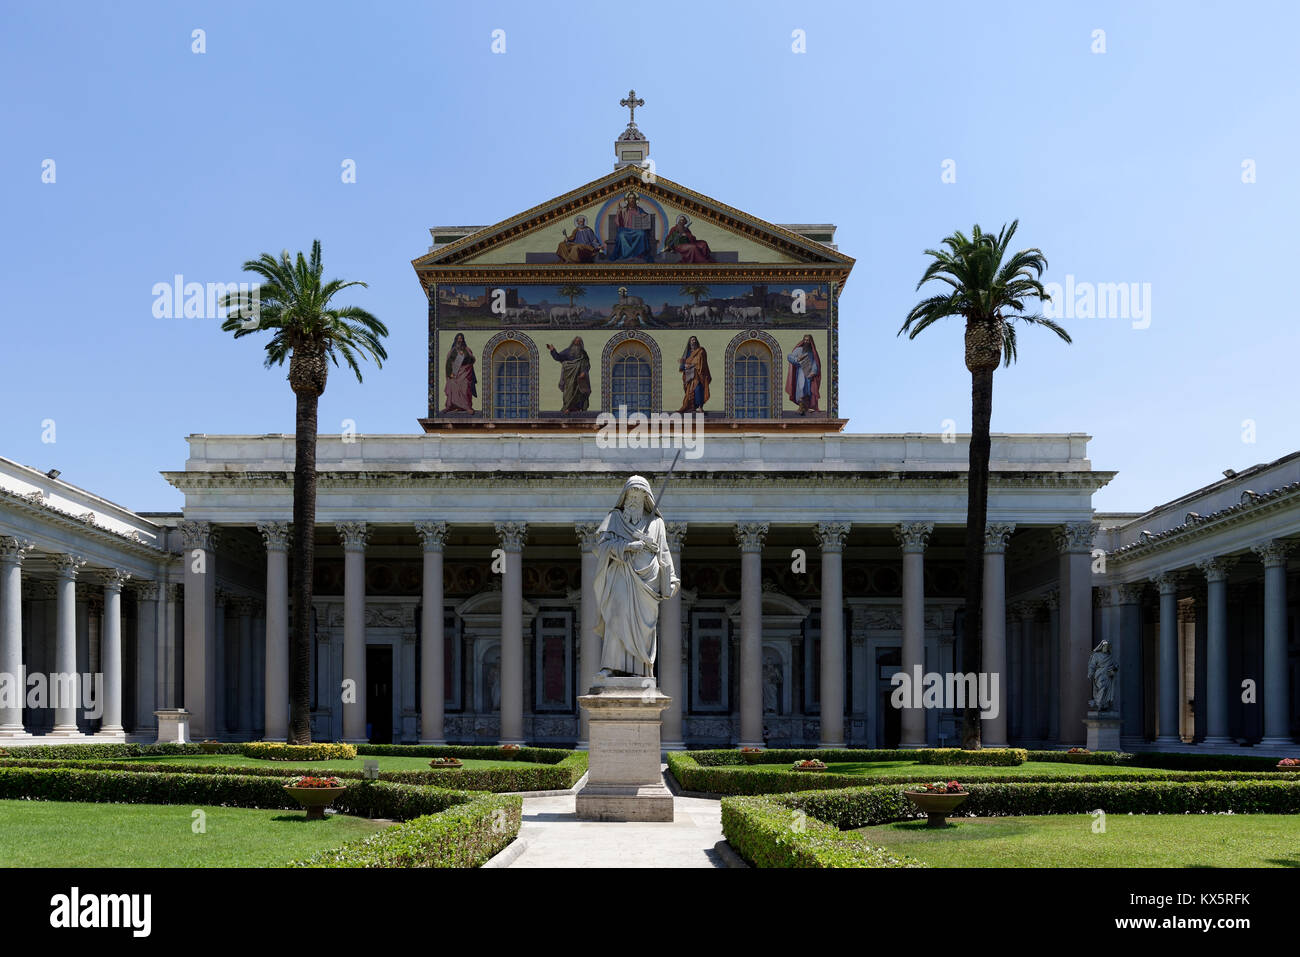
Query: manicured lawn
[
  {"x": 386, "y": 762},
  {"x": 70, "y": 834},
  {"x": 1067, "y": 840}
]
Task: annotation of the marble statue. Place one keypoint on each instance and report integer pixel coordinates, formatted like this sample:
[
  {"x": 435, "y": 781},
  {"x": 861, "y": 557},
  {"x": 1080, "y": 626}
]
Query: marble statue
[
  {"x": 1102, "y": 669},
  {"x": 634, "y": 573}
]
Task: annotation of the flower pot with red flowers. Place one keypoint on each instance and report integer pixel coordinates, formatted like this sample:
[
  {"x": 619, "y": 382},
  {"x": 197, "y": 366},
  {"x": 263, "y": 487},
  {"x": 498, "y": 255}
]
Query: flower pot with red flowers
[
  {"x": 751, "y": 755},
  {"x": 1289, "y": 764},
  {"x": 210, "y": 746},
  {"x": 937, "y": 800},
  {"x": 1078, "y": 751},
  {"x": 445, "y": 763},
  {"x": 315, "y": 794},
  {"x": 812, "y": 764},
  {"x": 510, "y": 751}
]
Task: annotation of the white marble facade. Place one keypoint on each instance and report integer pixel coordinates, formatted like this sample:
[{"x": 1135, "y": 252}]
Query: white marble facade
[{"x": 1194, "y": 596}]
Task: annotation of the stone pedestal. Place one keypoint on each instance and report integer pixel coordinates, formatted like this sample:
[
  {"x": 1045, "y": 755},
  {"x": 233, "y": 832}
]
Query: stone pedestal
[
  {"x": 624, "y": 781},
  {"x": 1103, "y": 730},
  {"x": 173, "y": 726}
]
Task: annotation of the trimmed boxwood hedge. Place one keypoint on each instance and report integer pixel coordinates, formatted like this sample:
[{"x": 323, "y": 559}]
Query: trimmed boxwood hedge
[
  {"x": 279, "y": 751},
  {"x": 732, "y": 757},
  {"x": 555, "y": 777},
  {"x": 763, "y": 831},
  {"x": 983, "y": 757},
  {"x": 1165, "y": 760},
  {"x": 766, "y": 832},
  {"x": 444, "y": 828},
  {"x": 465, "y": 835},
  {"x": 108, "y": 750},
  {"x": 761, "y": 779}
]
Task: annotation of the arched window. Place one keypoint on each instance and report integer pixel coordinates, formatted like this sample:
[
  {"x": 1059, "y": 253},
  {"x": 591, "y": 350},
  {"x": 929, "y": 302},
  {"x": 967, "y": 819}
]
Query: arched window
[
  {"x": 510, "y": 381},
  {"x": 754, "y": 372},
  {"x": 632, "y": 378},
  {"x": 753, "y": 381}
]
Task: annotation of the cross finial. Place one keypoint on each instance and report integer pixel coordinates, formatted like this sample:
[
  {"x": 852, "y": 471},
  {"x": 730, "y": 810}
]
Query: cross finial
[{"x": 631, "y": 102}]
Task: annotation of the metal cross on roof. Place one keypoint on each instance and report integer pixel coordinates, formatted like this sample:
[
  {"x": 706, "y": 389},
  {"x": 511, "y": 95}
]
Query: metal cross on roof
[{"x": 631, "y": 102}]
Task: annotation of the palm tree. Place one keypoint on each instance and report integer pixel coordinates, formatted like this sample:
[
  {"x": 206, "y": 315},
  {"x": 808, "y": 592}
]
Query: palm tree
[
  {"x": 293, "y": 303},
  {"x": 991, "y": 295},
  {"x": 572, "y": 291},
  {"x": 695, "y": 291}
]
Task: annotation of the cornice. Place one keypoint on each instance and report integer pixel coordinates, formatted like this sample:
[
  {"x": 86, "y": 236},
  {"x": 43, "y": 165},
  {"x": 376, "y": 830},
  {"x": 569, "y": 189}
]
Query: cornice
[
  {"x": 78, "y": 524},
  {"x": 1253, "y": 505}
]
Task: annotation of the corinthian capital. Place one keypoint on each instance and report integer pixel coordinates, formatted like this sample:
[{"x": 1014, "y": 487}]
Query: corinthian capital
[
  {"x": 196, "y": 535},
  {"x": 831, "y": 535},
  {"x": 1272, "y": 553},
  {"x": 676, "y": 532},
  {"x": 114, "y": 578},
  {"x": 1216, "y": 569},
  {"x": 913, "y": 536},
  {"x": 750, "y": 535},
  {"x": 67, "y": 566},
  {"x": 354, "y": 535},
  {"x": 996, "y": 536},
  {"x": 1075, "y": 536},
  {"x": 275, "y": 534},
  {"x": 586, "y": 532},
  {"x": 512, "y": 535},
  {"x": 14, "y": 550},
  {"x": 432, "y": 534}
]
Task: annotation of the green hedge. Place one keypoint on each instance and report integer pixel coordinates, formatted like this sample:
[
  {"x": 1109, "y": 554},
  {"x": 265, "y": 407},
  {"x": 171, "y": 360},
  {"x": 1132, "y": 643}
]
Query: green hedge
[
  {"x": 810, "y": 829},
  {"x": 984, "y": 757},
  {"x": 1165, "y": 760},
  {"x": 760, "y": 779},
  {"x": 466, "y": 835},
  {"x": 555, "y": 777},
  {"x": 279, "y": 751},
  {"x": 766, "y": 832},
  {"x": 444, "y": 828},
  {"x": 108, "y": 751}
]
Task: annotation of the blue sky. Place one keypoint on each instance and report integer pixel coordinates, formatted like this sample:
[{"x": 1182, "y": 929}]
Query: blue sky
[{"x": 1123, "y": 166}]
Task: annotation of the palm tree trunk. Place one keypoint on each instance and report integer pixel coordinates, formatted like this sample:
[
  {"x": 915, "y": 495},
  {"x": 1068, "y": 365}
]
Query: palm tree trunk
[
  {"x": 304, "y": 561},
  {"x": 977, "y": 506}
]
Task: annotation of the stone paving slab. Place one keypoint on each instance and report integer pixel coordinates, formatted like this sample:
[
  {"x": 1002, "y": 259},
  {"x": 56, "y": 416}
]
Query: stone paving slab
[{"x": 555, "y": 837}]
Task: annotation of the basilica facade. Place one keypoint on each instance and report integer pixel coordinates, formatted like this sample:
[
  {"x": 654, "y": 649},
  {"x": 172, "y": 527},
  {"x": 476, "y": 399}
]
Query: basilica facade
[{"x": 634, "y": 326}]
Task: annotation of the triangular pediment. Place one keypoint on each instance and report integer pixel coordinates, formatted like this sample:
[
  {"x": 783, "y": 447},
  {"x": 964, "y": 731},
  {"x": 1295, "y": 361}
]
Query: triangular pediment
[{"x": 720, "y": 235}]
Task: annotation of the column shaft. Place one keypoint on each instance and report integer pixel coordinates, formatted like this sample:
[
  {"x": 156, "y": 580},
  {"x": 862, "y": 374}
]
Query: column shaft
[
  {"x": 913, "y": 537},
  {"x": 1167, "y": 732},
  {"x": 670, "y": 649},
  {"x": 200, "y": 664},
  {"x": 276, "y": 536},
  {"x": 750, "y": 536},
  {"x": 588, "y": 640},
  {"x": 1074, "y": 542},
  {"x": 1216, "y": 653},
  {"x": 512, "y": 632},
  {"x": 433, "y": 680},
  {"x": 64, "y": 682},
  {"x": 831, "y": 535},
  {"x": 12, "y": 551},
  {"x": 993, "y": 651},
  {"x": 1277, "y": 704},
  {"x": 354, "y": 536}
]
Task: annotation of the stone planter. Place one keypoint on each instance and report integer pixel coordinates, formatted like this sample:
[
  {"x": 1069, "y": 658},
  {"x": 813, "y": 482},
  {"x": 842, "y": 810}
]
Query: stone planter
[
  {"x": 1288, "y": 767},
  {"x": 752, "y": 757},
  {"x": 445, "y": 763},
  {"x": 937, "y": 805},
  {"x": 210, "y": 747},
  {"x": 315, "y": 800},
  {"x": 812, "y": 769}
]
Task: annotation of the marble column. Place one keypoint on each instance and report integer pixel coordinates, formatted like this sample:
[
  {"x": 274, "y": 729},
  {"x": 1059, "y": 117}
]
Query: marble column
[
  {"x": 354, "y": 536},
  {"x": 511, "y": 536},
  {"x": 1216, "y": 650},
  {"x": 670, "y": 649},
  {"x": 1074, "y": 543},
  {"x": 993, "y": 619},
  {"x": 65, "y": 683},
  {"x": 1025, "y": 677},
  {"x": 276, "y": 680},
  {"x": 1011, "y": 676},
  {"x": 110, "y": 654},
  {"x": 588, "y": 640},
  {"x": 12, "y": 552},
  {"x": 244, "y": 689},
  {"x": 1129, "y": 655},
  {"x": 912, "y": 538},
  {"x": 1052, "y": 601},
  {"x": 831, "y": 536},
  {"x": 750, "y": 536},
  {"x": 167, "y": 670},
  {"x": 199, "y": 559},
  {"x": 433, "y": 680},
  {"x": 1277, "y": 704},
  {"x": 1167, "y": 667},
  {"x": 259, "y": 669},
  {"x": 227, "y": 663},
  {"x": 146, "y": 651}
]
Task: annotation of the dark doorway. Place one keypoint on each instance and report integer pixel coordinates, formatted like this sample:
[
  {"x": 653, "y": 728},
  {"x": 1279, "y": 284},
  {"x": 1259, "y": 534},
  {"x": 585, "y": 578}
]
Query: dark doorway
[
  {"x": 890, "y": 719},
  {"x": 379, "y": 694}
]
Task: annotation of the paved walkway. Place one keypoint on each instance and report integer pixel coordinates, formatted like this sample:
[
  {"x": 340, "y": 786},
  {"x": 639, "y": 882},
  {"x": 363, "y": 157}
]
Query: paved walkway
[{"x": 556, "y": 838}]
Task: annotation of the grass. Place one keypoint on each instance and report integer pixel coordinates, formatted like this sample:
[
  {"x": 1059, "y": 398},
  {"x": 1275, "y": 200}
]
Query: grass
[
  {"x": 386, "y": 762},
  {"x": 1067, "y": 840},
  {"x": 71, "y": 834}
]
